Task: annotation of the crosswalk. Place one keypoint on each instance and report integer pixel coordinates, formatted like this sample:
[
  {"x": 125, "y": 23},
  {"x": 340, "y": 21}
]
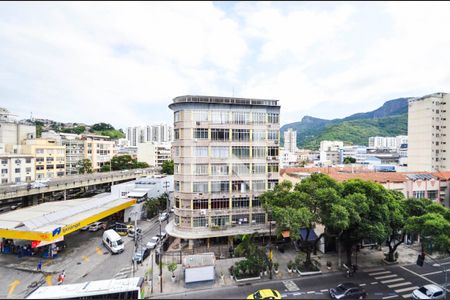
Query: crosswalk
[
  {"x": 123, "y": 273},
  {"x": 399, "y": 285}
]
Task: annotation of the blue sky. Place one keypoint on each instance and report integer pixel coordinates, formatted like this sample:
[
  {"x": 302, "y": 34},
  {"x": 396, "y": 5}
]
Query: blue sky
[{"x": 123, "y": 62}]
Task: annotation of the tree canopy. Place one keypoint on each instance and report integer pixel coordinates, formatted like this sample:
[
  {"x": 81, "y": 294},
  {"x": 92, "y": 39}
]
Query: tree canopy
[
  {"x": 123, "y": 162},
  {"x": 168, "y": 167},
  {"x": 85, "y": 166}
]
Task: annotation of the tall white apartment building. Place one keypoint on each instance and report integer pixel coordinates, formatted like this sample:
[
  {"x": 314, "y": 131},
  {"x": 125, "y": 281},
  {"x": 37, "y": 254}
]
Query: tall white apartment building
[
  {"x": 290, "y": 140},
  {"x": 392, "y": 143},
  {"x": 428, "y": 137},
  {"x": 15, "y": 168},
  {"x": 330, "y": 152},
  {"x": 160, "y": 133},
  {"x": 226, "y": 155}
]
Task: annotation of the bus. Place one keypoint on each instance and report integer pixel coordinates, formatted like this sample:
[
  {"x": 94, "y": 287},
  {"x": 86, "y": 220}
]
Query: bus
[{"x": 128, "y": 288}]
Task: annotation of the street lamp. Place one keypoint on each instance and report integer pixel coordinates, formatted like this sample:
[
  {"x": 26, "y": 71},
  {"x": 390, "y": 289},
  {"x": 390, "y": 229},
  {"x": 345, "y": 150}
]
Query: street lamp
[{"x": 270, "y": 245}]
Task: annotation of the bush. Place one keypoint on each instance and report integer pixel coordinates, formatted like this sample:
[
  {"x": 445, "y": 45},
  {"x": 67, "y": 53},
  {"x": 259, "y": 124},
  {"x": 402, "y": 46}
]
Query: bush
[
  {"x": 290, "y": 265},
  {"x": 275, "y": 266},
  {"x": 172, "y": 267}
]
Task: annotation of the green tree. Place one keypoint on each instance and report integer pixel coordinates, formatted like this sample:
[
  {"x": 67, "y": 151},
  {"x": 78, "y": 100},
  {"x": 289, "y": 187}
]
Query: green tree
[
  {"x": 106, "y": 167},
  {"x": 153, "y": 205},
  {"x": 349, "y": 160},
  {"x": 168, "y": 167},
  {"x": 85, "y": 166},
  {"x": 101, "y": 127}
]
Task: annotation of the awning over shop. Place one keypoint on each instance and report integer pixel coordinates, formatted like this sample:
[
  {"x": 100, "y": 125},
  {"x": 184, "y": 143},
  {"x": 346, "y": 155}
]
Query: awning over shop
[
  {"x": 51, "y": 220},
  {"x": 137, "y": 194}
]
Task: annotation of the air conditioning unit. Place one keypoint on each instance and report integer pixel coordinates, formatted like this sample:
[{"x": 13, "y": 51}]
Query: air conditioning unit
[
  {"x": 198, "y": 123},
  {"x": 203, "y": 212}
]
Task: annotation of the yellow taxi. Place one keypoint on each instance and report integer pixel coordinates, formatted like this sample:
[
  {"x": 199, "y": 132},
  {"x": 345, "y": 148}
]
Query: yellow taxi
[{"x": 265, "y": 294}]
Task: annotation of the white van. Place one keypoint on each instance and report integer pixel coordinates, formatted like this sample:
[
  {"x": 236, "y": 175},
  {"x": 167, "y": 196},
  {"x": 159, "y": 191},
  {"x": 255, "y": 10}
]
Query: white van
[{"x": 113, "y": 241}]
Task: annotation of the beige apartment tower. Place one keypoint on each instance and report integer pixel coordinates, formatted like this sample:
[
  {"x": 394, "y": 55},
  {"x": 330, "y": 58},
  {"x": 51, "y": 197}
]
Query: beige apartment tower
[
  {"x": 428, "y": 142},
  {"x": 226, "y": 154}
]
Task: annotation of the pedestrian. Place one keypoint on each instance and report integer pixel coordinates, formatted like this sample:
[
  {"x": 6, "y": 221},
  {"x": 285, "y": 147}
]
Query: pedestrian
[
  {"x": 61, "y": 278},
  {"x": 39, "y": 266}
]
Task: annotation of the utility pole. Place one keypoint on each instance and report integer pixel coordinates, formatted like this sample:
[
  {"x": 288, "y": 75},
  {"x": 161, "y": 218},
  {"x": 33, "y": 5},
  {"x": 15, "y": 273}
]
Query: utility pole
[
  {"x": 160, "y": 254},
  {"x": 270, "y": 247}
]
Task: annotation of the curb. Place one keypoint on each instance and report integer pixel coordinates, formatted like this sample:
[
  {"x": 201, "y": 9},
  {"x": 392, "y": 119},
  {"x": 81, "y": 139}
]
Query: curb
[{"x": 30, "y": 270}]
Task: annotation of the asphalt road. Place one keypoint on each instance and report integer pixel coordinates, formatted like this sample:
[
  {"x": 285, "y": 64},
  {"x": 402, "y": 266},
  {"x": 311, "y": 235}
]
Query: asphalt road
[{"x": 388, "y": 282}]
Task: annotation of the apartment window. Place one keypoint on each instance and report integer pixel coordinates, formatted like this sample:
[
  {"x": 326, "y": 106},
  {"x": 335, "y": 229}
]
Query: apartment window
[
  {"x": 272, "y": 183},
  {"x": 419, "y": 194},
  {"x": 258, "y": 185},
  {"x": 39, "y": 151},
  {"x": 219, "y": 152},
  {"x": 241, "y": 169},
  {"x": 220, "y": 203},
  {"x": 50, "y": 167},
  {"x": 240, "y": 219},
  {"x": 176, "y": 134},
  {"x": 199, "y": 222},
  {"x": 259, "y": 218},
  {"x": 201, "y": 151},
  {"x": 432, "y": 195},
  {"x": 219, "y": 169},
  {"x": 28, "y": 160},
  {"x": 240, "y": 186},
  {"x": 201, "y": 169},
  {"x": 60, "y": 174},
  {"x": 220, "y": 134},
  {"x": 177, "y": 116},
  {"x": 49, "y": 159},
  {"x": 259, "y": 168},
  {"x": 17, "y": 161},
  {"x": 242, "y": 202},
  {"x": 272, "y": 151},
  {"x": 200, "y": 187},
  {"x": 201, "y": 133},
  {"x": 273, "y": 118},
  {"x": 273, "y": 135},
  {"x": 200, "y": 204},
  {"x": 4, "y": 161},
  {"x": 4, "y": 180},
  {"x": 258, "y": 135},
  {"x": 241, "y": 135},
  {"x": 4, "y": 171},
  {"x": 177, "y": 202},
  {"x": 258, "y": 152},
  {"x": 60, "y": 166},
  {"x": 28, "y": 170},
  {"x": 39, "y": 168},
  {"x": 220, "y": 186},
  {"x": 256, "y": 202},
  {"x": 219, "y": 220},
  {"x": 200, "y": 115},
  {"x": 259, "y": 118},
  {"x": 28, "y": 178},
  {"x": 177, "y": 186},
  {"x": 177, "y": 220},
  {"x": 240, "y": 117},
  {"x": 241, "y": 151},
  {"x": 219, "y": 117},
  {"x": 272, "y": 168},
  {"x": 17, "y": 179},
  {"x": 17, "y": 170}
]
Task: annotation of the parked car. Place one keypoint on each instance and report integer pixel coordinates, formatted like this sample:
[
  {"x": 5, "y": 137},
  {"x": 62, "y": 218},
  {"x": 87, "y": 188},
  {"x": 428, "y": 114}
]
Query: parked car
[
  {"x": 113, "y": 241},
  {"x": 96, "y": 226},
  {"x": 152, "y": 243},
  {"x": 265, "y": 294},
  {"x": 162, "y": 235},
  {"x": 140, "y": 255},
  {"x": 348, "y": 290},
  {"x": 120, "y": 228},
  {"x": 172, "y": 209},
  {"x": 39, "y": 184},
  {"x": 131, "y": 232},
  {"x": 163, "y": 216},
  {"x": 429, "y": 291},
  {"x": 85, "y": 228}
]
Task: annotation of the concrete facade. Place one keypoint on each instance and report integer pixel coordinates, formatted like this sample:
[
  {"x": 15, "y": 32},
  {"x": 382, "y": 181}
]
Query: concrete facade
[
  {"x": 226, "y": 155},
  {"x": 154, "y": 153},
  {"x": 99, "y": 149},
  {"x": 16, "y": 168},
  {"x": 428, "y": 143},
  {"x": 290, "y": 140},
  {"x": 50, "y": 157},
  {"x": 13, "y": 132}
]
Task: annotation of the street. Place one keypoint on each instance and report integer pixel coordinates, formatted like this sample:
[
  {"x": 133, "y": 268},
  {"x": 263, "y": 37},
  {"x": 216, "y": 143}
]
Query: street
[{"x": 384, "y": 282}]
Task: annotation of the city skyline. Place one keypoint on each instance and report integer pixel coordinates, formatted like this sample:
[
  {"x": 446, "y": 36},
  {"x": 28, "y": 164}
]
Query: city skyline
[{"x": 104, "y": 63}]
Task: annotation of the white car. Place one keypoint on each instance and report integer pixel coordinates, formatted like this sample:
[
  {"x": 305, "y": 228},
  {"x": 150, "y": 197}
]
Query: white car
[
  {"x": 85, "y": 228},
  {"x": 153, "y": 242},
  {"x": 95, "y": 226},
  {"x": 163, "y": 216},
  {"x": 429, "y": 291},
  {"x": 39, "y": 184},
  {"x": 162, "y": 236}
]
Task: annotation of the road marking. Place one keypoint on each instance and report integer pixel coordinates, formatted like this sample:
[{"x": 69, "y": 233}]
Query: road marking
[
  {"x": 379, "y": 273},
  {"x": 423, "y": 277},
  {"x": 389, "y": 297},
  {"x": 310, "y": 292},
  {"x": 407, "y": 296},
  {"x": 324, "y": 290},
  {"x": 406, "y": 289},
  {"x": 392, "y": 280},
  {"x": 399, "y": 284},
  {"x": 290, "y": 285},
  {"x": 297, "y": 294},
  {"x": 362, "y": 284},
  {"x": 12, "y": 287},
  {"x": 85, "y": 258},
  {"x": 432, "y": 273},
  {"x": 283, "y": 295},
  {"x": 48, "y": 279},
  {"x": 375, "y": 282},
  {"x": 386, "y": 276},
  {"x": 98, "y": 250},
  {"x": 374, "y": 270}
]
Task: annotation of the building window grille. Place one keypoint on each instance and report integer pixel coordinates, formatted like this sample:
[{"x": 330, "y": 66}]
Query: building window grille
[
  {"x": 259, "y": 218},
  {"x": 219, "y": 169},
  {"x": 201, "y": 133},
  {"x": 200, "y": 204},
  {"x": 240, "y": 219},
  {"x": 241, "y": 151},
  {"x": 200, "y": 187},
  {"x": 219, "y": 152},
  {"x": 220, "y": 203},
  {"x": 220, "y": 186},
  {"x": 199, "y": 222},
  {"x": 243, "y": 202},
  {"x": 218, "y": 134},
  {"x": 240, "y": 135}
]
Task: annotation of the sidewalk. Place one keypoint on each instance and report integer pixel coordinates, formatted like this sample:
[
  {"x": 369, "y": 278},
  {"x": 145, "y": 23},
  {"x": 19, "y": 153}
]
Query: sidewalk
[{"x": 366, "y": 258}]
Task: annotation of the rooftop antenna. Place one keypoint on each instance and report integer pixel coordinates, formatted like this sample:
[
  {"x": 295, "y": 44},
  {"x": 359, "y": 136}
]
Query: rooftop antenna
[{"x": 31, "y": 116}]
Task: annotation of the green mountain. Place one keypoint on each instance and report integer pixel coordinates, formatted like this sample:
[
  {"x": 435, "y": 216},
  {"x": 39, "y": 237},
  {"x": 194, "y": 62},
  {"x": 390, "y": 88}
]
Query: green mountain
[{"x": 390, "y": 119}]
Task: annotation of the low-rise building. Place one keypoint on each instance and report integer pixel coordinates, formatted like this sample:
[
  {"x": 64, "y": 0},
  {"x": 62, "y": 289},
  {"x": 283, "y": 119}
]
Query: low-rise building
[
  {"x": 98, "y": 149},
  {"x": 16, "y": 168},
  {"x": 50, "y": 157},
  {"x": 155, "y": 154}
]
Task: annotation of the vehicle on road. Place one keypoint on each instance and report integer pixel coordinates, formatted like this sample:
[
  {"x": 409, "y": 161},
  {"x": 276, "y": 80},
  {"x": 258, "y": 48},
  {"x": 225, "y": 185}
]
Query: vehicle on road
[
  {"x": 348, "y": 290},
  {"x": 140, "y": 255},
  {"x": 120, "y": 228},
  {"x": 162, "y": 235},
  {"x": 265, "y": 294},
  {"x": 172, "y": 210},
  {"x": 152, "y": 243},
  {"x": 132, "y": 232},
  {"x": 39, "y": 184},
  {"x": 95, "y": 226},
  {"x": 163, "y": 216},
  {"x": 85, "y": 227},
  {"x": 128, "y": 288},
  {"x": 112, "y": 240},
  {"x": 429, "y": 291}
]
